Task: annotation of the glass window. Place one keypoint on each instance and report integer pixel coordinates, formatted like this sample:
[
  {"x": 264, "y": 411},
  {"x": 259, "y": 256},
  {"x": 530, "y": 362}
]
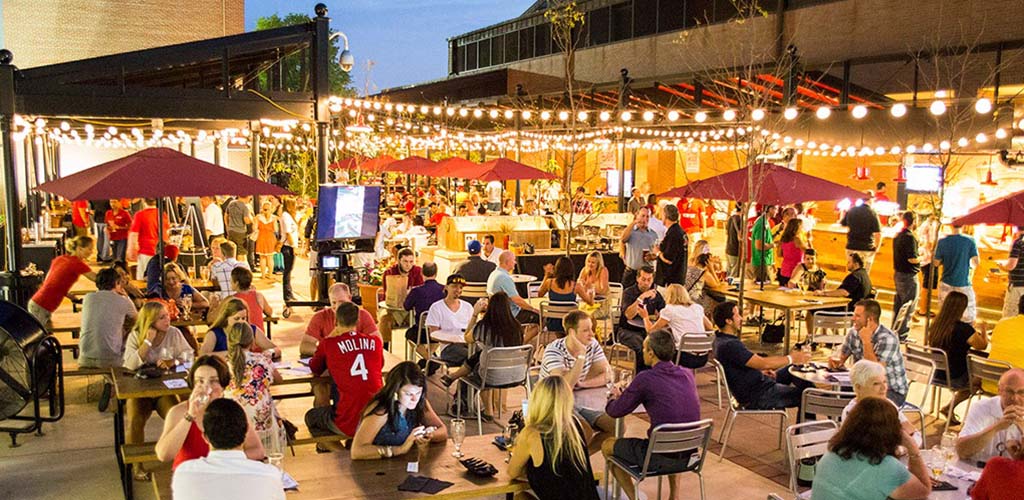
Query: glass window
[
  {"x": 597, "y": 23},
  {"x": 670, "y": 15},
  {"x": 621, "y": 21},
  {"x": 526, "y": 43},
  {"x": 461, "y": 60},
  {"x": 542, "y": 39},
  {"x": 512, "y": 48},
  {"x": 645, "y": 17},
  {"x": 484, "y": 56},
  {"x": 471, "y": 59},
  {"x": 699, "y": 12},
  {"x": 498, "y": 50}
]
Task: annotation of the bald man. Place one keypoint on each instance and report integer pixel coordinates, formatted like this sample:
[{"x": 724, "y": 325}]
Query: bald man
[
  {"x": 322, "y": 323},
  {"x": 995, "y": 420},
  {"x": 501, "y": 280}
]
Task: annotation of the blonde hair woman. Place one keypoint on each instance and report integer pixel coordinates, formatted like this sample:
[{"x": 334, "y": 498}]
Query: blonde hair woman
[
  {"x": 550, "y": 451},
  {"x": 251, "y": 377},
  {"x": 594, "y": 275},
  {"x": 233, "y": 311},
  {"x": 64, "y": 272},
  {"x": 153, "y": 340},
  {"x": 681, "y": 314}
]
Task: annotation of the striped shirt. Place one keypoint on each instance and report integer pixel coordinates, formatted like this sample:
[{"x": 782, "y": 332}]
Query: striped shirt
[{"x": 558, "y": 357}]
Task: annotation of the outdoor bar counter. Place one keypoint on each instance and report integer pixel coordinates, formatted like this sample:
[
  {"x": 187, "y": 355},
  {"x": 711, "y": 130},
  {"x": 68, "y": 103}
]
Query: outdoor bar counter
[
  {"x": 830, "y": 242},
  {"x": 532, "y": 264}
]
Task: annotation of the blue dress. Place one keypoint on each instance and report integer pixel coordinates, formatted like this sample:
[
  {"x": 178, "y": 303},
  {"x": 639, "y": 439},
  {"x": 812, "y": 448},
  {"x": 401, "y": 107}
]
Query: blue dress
[
  {"x": 555, "y": 325},
  {"x": 222, "y": 339},
  {"x": 395, "y": 436}
]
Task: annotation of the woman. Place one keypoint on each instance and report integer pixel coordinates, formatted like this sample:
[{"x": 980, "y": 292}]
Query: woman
[
  {"x": 173, "y": 288},
  {"x": 808, "y": 273},
  {"x": 550, "y": 451},
  {"x": 702, "y": 281},
  {"x": 398, "y": 417},
  {"x": 792, "y": 244},
  {"x": 152, "y": 341},
  {"x": 266, "y": 239},
  {"x": 289, "y": 242},
  {"x": 231, "y": 312},
  {"x": 182, "y": 438},
  {"x": 251, "y": 376},
  {"x": 259, "y": 307},
  {"x": 869, "y": 380},
  {"x": 957, "y": 338},
  {"x": 1003, "y": 477},
  {"x": 861, "y": 462},
  {"x": 681, "y": 314},
  {"x": 64, "y": 272},
  {"x": 129, "y": 286},
  {"x": 560, "y": 285},
  {"x": 594, "y": 276},
  {"x": 496, "y": 328}
]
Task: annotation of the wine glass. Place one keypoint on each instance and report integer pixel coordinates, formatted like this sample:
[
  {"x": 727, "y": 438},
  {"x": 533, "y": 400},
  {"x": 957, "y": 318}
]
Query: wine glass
[
  {"x": 186, "y": 305},
  {"x": 204, "y": 273},
  {"x": 625, "y": 378},
  {"x": 271, "y": 439},
  {"x": 508, "y": 435},
  {"x": 610, "y": 381},
  {"x": 458, "y": 432}
]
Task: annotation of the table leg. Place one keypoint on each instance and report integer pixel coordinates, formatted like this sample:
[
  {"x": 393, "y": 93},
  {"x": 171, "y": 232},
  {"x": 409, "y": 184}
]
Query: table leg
[
  {"x": 119, "y": 438},
  {"x": 789, "y": 317}
]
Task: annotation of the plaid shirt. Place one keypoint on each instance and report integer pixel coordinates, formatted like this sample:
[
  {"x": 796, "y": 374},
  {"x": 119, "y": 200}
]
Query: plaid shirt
[
  {"x": 582, "y": 206},
  {"x": 887, "y": 348},
  {"x": 222, "y": 274}
]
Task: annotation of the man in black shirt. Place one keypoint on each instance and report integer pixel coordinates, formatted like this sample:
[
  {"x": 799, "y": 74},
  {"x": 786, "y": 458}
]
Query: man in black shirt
[
  {"x": 855, "y": 286},
  {"x": 475, "y": 269},
  {"x": 641, "y": 298},
  {"x": 99, "y": 214},
  {"x": 906, "y": 264},
  {"x": 672, "y": 252},
  {"x": 865, "y": 234},
  {"x": 732, "y": 241},
  {"x": 757, "y": 382}
]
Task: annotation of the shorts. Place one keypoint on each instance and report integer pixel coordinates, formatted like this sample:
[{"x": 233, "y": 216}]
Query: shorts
[
  {"x": 528, "y": 317},
  {"x": 320, "y": 422},
  {"x": 590, "y": 416},
  {"x": 40, "y": 313},
  {"x": 634, "y": 451}
]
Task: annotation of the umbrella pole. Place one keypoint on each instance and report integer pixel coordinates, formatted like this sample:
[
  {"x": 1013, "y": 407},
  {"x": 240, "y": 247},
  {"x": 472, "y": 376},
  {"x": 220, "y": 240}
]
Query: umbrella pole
[{"x": 159, "y": 233}]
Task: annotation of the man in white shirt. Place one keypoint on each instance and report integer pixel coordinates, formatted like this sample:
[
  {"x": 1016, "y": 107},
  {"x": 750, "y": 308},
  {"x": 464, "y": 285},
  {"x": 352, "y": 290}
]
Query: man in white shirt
[
  {"x": 226, "y": 473},
  {"x": 491, "y": 253},
  {"x": 213, "y": 217},
  {"x": 493, "y": 192},
  {"x": 451, "y": 314},
  {"x": 994, "y": 421}
]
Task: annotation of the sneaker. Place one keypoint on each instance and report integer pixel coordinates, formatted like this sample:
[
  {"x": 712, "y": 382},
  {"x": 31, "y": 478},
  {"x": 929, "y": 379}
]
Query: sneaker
[{"x": 105, "y": 397}]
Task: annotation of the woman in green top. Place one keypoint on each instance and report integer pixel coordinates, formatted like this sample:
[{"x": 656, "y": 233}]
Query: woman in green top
[{"x": 861, "y": 463}]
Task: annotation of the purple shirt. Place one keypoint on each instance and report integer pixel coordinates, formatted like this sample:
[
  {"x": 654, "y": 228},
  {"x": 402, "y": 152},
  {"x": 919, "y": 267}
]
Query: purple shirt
[
  {"x": 667, "y": 391},
  {"x": 422, "y": 297}
]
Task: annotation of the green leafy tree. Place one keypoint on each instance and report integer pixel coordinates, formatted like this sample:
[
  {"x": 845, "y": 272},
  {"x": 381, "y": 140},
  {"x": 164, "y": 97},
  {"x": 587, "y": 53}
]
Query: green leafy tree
[{"x": 296, "y": 73}]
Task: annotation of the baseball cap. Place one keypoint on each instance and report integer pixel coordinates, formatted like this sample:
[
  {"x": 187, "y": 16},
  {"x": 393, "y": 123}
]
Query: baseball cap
[
  {"x": 474, "y": 247},
  {"x": 456, "y": 279}
]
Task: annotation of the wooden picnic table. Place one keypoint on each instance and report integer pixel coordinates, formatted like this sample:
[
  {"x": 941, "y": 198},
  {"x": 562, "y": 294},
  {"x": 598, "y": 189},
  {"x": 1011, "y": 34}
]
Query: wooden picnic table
[{"x": 787, "y": 301}]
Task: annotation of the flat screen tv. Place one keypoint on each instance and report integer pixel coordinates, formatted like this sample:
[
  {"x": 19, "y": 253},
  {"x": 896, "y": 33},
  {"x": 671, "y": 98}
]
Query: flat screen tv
[
  {"x": 924, "y": 178},
  {"x": 347, "y": 212}
]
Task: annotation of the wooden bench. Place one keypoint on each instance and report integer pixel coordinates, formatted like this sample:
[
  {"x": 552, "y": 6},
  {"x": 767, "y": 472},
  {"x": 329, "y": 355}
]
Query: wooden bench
[
  {"x": 139, "y": 453},
  {"x": 68, "y": 336}
]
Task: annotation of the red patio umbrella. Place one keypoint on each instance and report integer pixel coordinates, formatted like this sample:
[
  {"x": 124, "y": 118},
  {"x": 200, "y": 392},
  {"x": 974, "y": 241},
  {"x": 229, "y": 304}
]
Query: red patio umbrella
[
  {"x": 502, "y": 169},
  {"x": 774, "y": 185},
  {"x": 1006, "y": 210},
  {"x": 344, "y": 164},
  {"x": 449, "y": 166},
  {"x": 376, "y": 165},
  {"x": 415, "y": 165}
]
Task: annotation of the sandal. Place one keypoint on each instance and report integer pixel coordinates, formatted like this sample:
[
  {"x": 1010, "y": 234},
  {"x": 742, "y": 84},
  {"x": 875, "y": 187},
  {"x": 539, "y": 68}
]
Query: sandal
[{"x": 141, "y": 475}]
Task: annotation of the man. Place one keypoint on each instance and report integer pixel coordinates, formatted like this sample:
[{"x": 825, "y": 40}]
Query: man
[
  {"x": 475, "y": 269},
  {"x": 226, "y": 473},
  {"x": 451, "y": 314},
  {"x": 649, "y": 389},
  {"x": 220, "y": 269},
  {"x": 691, "y": 217},
  {"x": 865, "y": 232},
  {"x": 1015, "y": 267},
  {"x": 421, "y": 298},
  {"x": 636, "y": 202},
  {"x": 872, "y": 341},
  {"x": 880, "y": 192},
  {"x": 906, "y": 264},
  {"x": 501, "y": 281},
  {"x": 762, "y": 255},
  {"x": 491, "y": 253},
  {"x": 994, "y": 421},
  {"x": 354, "y": 361},
  {"x": 213, "y": 217},
  {"x": 155, "y": 272},
  {"x": 238, "y": 219},
  {"x": 641, "y": 298},
  {"x": 1006, "y": 342},
  {"x": 855, "y": 286},
  {"x": 757, "y": 382},
  {"x": 99, "y": 224},
  {"x": 672, "y": 251},
  {"x": 579, "y": 359},
  {"x": 733, "y": 228},
  {"x": 118, "y": 220},
  {"x": 81, "y": 218},
  {"x": 107, "y": 317},
  {"x": 493, "y": 192},
  {"x": 958, "y": 256},
  {"x": 405, "y": 267},
  {"x": 530, "y": 208},
  {"x": 580, "y": 203},
  {"x": 144, "y": 233},
  {"x": 638, "y": 242}
]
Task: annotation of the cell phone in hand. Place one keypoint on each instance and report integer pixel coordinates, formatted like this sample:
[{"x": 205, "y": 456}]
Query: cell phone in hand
[{"x": 499, "y": 441}]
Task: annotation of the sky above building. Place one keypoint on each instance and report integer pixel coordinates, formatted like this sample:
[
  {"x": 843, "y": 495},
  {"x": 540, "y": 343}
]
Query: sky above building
[{"x": 405, "y": 39}]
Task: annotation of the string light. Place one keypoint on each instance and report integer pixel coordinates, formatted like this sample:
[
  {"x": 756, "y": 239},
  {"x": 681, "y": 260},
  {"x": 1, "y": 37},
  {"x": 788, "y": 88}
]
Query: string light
[
  {"x": 823, "y": 112},
  {"x": 790, "y": 113},
  {"x": 757, "y": 115},
  {"x": 729, "y": 115},
  {"x": 898, "y": 110},
  {"x": 859, "y": 111},
  {"x": 937, "y": 108},
  {"x": 983, "y": 106},
  {"x": 700, "y": 117}
]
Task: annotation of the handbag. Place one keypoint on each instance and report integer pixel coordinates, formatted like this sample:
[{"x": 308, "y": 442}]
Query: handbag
[{"x": 773, "y": 333}]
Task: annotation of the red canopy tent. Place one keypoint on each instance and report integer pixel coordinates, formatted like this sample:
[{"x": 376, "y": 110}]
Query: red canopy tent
[
  {"x": 448, "y": 166},
  {"x": 1006, "y": 210},
  {"x": 773, "y": 185},
  {"x": 414, "y": 165},
  {"x": 376, "y": 165}
]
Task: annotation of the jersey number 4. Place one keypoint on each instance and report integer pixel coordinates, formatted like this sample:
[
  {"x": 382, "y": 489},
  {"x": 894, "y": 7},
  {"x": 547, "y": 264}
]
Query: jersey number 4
[{"x": 358, "y": 368}]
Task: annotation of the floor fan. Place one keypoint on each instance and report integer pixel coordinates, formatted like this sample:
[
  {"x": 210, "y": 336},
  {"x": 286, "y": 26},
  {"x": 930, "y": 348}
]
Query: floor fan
[{"x": 31, "y": 370}]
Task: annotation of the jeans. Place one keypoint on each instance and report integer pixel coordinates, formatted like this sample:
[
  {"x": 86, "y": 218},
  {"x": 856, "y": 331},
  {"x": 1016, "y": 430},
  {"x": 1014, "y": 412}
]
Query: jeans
[
  {"x": 119, "y": 248},
  {"x": 289, "y": 262},
  {"x": 906, "y": 292},
  {"x": 628, "y": 278},
  {"x": 102, "y": 242},
  {"x": 733, "y": 266},
  {"x": 634, "y": 339},
  {"x": 786, "y": 392}
]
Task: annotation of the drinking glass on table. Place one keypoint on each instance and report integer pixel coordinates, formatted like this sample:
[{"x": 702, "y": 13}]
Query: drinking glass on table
[
  {"x": 204, "y": 273},
  {"x": 949, "y": 440},
  {"x": 272, "y": 446},
  {"x": 186, "y": 306},
  {"x": 457, "y": 426},
  {"x": 936, "y": 460}
]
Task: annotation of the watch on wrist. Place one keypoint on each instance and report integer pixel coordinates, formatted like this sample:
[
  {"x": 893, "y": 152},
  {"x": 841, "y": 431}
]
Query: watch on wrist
[{"x": 189, "y": 418}]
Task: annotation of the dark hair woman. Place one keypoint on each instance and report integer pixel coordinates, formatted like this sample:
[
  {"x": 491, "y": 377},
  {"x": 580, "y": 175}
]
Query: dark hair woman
[
  {"x": 398, "y": 417},
  {"x": 792, "y": 243},
  {"x": 955, "y": 336},
  {"x": 560, "y": 286},
  {"x": 861, "y": 462}
]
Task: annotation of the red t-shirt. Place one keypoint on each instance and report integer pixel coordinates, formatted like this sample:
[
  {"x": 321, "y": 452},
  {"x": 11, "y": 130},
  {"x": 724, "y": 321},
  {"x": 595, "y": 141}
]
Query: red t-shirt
[
  {"x": 415, "y": 276},
  {"x": 322, "y": 324},
  {"x": 436, "y": 219},
  {"x": 64, "y": 272},
  {"x": 77, "y": 207},
  {"x": 144, "y": 223},
  {"x": 410, "y": 206},
  {"x": 122, "y": 219},
  {"x": 1002, "y": 479},
  {"x": 355, "y": 362}
]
